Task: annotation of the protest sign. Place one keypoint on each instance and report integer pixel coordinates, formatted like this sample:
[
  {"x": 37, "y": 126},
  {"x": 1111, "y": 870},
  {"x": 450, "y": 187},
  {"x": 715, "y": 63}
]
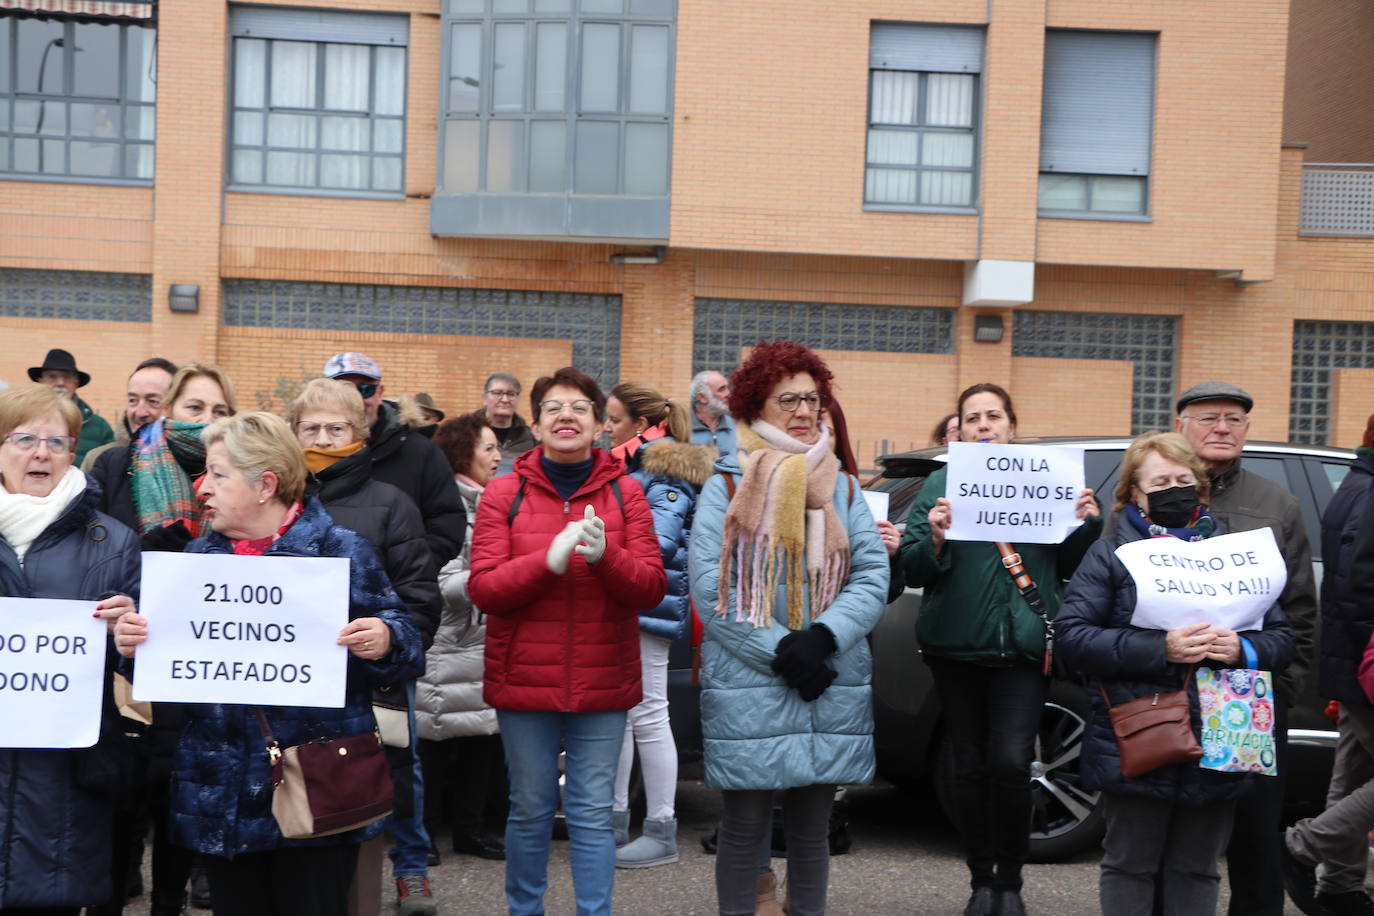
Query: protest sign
[
  {"x": 239, "y": 629},
  {"x": 878, "y": 502},
  {"x": 52, "y": 673},
  {"x": 1229, "y": 580},
  {"x": 1018, "y": 493}
]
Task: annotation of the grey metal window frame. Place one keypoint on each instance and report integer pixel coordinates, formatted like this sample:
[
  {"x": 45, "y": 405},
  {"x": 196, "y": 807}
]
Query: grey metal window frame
[
  {"x": 318, "y": 112},
  {"x": 572, "y": 114},
  {"x": 11, "y": 97},
  {"x": 1143, "y": 215},
  {"x": 922, "y": 130}
]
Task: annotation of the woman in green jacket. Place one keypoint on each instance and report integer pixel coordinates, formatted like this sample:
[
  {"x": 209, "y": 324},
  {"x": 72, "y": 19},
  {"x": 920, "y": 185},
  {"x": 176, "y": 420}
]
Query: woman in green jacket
[{"x": 986, "y": 650}]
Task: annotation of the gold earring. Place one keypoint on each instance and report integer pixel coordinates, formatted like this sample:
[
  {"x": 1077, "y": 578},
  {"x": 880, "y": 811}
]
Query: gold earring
[{"x": 261, "y": 501}]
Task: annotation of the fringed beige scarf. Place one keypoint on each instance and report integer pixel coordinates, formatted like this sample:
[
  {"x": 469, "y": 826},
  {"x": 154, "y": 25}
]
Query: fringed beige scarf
[{"x": 782, "y": 528}]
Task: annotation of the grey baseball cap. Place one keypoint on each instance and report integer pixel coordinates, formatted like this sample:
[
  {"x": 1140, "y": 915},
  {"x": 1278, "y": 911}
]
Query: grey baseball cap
[{"x": 1214, "y": 391}]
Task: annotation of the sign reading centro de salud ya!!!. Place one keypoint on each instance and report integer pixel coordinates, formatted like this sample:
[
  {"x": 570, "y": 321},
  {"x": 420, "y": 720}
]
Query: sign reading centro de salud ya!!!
[{"x": 1019, "y": 493}]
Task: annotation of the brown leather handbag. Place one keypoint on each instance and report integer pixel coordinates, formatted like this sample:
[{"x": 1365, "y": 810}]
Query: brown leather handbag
[{"x": 1153, "y": 731}]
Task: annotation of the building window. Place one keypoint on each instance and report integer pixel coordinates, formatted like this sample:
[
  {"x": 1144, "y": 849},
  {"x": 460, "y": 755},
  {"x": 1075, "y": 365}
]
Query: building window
[
  {"x": 319, "y": 101},
  {"x": 922, "y": 115},
  {"x": 77, "y": 99},
  {"x": 1096, "y": 123},
  {"x": 542, "y": 97}
]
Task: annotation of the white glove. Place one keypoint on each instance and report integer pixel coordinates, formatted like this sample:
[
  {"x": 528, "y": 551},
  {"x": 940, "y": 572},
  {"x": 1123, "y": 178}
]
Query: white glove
[
  {"x": 593, "y": 537},
  {"x": 560, "y": 551}
]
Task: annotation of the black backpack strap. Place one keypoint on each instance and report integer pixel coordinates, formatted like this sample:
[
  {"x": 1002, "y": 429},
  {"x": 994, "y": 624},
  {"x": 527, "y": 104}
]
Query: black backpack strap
[
  {"x": 515, "y": 503},
  {"x": 619, "y": 497}
]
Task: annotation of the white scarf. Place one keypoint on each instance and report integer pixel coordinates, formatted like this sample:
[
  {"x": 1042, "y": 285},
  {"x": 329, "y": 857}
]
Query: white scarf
[{"x": 23, "y": 517}]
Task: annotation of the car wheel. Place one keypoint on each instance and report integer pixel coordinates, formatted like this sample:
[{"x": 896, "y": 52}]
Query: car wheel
[{"x": 1065, "y": 817}]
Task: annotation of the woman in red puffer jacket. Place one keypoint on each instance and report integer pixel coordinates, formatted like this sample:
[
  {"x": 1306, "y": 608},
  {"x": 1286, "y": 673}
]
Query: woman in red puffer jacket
[{"x": 564, "y": 558}]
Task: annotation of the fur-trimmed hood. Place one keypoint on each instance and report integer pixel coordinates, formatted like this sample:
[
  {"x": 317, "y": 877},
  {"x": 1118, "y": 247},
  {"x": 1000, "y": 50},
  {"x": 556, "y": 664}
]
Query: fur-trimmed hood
[{"x": 682, "y": 460}]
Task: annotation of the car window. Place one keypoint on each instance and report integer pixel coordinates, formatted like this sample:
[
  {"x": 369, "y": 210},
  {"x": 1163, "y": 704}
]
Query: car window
[
  {"x": 1099, "y": 470},
  {"x": 1271, "y": 468},
  {"x": 1335, "y": 473}
]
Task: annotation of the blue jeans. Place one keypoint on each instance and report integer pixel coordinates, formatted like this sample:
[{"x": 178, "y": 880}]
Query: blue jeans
[
  {"x": 591, "y": 741},
  {"x": 410, "y": 840}
]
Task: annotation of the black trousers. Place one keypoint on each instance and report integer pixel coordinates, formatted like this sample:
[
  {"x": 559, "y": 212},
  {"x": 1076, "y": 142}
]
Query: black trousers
[
  {"x": 465, "y": 783},
  {"x": 292, "y": 881},
  {"x": 1252, "y": 857},
  {"x": 991, "y": 717}
]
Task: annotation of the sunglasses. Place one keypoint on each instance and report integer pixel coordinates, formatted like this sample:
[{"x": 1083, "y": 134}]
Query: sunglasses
[{"x": 366, "y": 389}]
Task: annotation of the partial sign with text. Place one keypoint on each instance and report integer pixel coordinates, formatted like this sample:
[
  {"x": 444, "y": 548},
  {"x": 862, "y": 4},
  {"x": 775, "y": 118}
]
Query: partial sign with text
[
  {"x": 235, "y": 629},
  {"x": 52, "y": 673}
]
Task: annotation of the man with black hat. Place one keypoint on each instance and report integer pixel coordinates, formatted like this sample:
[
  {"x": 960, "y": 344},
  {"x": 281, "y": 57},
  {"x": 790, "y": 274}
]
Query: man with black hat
[
  {"x": 1215, "y": 417},
  {"x": 60, "y": 373}
]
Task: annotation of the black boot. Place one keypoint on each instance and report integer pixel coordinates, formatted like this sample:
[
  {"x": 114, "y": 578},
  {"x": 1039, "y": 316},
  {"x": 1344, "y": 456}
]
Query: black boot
[{"x": 167, "y": 904}]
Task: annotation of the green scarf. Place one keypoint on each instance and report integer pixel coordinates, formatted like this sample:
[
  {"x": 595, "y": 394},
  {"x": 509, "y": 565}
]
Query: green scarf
[{"x": 163, "y": 491}]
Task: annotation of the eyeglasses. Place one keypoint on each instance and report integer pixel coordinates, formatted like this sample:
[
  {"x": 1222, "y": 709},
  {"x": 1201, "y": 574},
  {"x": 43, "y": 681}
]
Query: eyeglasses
[
  {"x": 1209, "y": 420},
  {"x": 503, "y": 395},
  {"x": 791, "y": 400},
  {"x": 332, "y": 430},
  {"x": 366, "y": 389},
  {"x": 28, "y": 442},
  {"x": 581, "y": 407}
]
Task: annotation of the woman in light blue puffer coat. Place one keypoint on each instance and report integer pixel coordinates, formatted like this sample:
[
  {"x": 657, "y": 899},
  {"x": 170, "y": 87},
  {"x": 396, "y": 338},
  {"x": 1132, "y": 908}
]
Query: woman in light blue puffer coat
[{"x": 789, "y": 576}]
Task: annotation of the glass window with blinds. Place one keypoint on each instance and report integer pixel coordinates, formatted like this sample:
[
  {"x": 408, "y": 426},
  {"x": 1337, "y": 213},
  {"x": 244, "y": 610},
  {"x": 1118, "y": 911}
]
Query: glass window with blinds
[
  {"x": 318, "y": 101},
  {"x": 77, "y": 100},
  {"x": 558, "y": 97},
  {"x": 1097, "y": 124},
  {"x": 923, "y": 116}
]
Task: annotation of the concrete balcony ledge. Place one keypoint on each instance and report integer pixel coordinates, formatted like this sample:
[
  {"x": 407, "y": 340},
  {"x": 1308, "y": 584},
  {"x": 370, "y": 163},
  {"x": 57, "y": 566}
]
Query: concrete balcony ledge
[{"x": 1337, "y": 199}]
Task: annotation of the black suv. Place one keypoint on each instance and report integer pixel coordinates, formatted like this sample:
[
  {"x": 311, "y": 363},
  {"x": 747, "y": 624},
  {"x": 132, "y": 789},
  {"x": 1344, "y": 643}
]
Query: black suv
[{"x": 1067, "y": 819}]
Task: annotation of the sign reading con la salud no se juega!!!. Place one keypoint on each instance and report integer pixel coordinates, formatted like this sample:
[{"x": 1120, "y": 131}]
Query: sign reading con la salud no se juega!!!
[
  {"x": 1019, "y": 493},
  {"x": 1230, "y": 580},
  {"x": 52, "y": 673},
  {"x": 236, "y": 629}
]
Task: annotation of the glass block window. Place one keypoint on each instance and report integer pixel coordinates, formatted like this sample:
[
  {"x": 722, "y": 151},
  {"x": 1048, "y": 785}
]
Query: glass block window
[
  {"x": 318, "y": 101},
  {"x": 558, "y": 96},
  {"x": 75, "y": 295},
  {"x": 922, "y": 115},
  {"x": 1319, "y": 348},
  {"x": 77, "y": 99},
  {"x": 590, "y": 322},
  {"x": 1149, "y": 342},
  {"x": 722, "y": 326}
]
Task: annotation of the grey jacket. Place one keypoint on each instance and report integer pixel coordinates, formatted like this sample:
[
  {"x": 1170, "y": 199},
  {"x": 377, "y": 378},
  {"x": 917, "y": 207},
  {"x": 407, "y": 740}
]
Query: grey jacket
[{"x": 448, "y": 698}]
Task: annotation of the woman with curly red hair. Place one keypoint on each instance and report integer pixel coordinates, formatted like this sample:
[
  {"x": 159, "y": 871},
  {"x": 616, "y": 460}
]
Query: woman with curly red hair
[{"x": 789, "y": 576}]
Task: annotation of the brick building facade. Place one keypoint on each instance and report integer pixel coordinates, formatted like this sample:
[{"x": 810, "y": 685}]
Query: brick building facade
[{"x": 773, "y": 112}]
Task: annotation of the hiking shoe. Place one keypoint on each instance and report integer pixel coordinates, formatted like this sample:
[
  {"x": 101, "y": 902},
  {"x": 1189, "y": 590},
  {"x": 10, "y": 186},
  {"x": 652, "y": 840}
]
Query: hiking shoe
[
  {"x": 1351, "y": 903},
  {"x": 413, "y": 897}
]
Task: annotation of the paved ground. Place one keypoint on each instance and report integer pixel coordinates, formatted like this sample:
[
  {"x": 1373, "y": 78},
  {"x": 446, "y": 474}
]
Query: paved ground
[{"x": 905, "y": 860}]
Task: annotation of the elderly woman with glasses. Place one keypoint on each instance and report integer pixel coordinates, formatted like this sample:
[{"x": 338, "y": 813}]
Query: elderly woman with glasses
[
  {"x": 789, "y": 576},
  {"x": 254, "y": 494},
  {"x": 564, "y": 557},
  {"x": 54, "y": 543}
]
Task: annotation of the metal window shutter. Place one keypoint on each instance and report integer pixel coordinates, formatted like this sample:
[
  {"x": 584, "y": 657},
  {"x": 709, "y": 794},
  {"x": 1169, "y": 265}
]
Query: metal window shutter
[
  {"x": 318, "y": 25},
  {"x": 931, "y": 48},
  {"x": 1098, "y": 109}
]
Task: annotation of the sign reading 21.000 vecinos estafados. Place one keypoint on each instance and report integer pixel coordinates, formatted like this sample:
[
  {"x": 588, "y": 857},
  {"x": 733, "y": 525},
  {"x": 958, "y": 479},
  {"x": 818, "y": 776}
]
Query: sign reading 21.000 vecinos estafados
[{"x": 252, "y": 630}]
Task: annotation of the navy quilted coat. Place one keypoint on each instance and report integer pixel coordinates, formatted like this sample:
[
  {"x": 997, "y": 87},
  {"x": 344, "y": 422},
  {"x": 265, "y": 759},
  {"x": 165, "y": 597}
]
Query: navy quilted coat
[
  {"x": 222, "y": 782},
  {"x": 1347, "y": 611},
  {"x": 1093, "y": 634},
  {"x": 566, "y": 643},
  {"x": 55, "y": 809}
]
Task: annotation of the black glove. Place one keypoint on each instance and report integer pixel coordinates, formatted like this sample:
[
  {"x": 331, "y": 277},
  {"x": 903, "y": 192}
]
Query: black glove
[
  {"x": 171, "y": 538},
  {"x": 814, "y": 684},
  {"x": 800, "y": 656}
]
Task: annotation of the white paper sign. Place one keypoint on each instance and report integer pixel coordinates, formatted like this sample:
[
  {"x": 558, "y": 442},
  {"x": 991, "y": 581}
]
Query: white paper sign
[
  {"x": 1229, "y": 580},
  {"x": 1019, "y": 493},
  {"x": 878, "y": 501},
  {"x": 52, "y": 673},
  {"x": 252, "y": 630}
]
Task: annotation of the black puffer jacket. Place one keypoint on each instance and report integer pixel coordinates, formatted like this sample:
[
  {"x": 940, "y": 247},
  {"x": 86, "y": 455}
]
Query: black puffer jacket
[
  {"x": 1347, "y": 602},
  {"x": 387, "y": 518},
  {"x": 56, "y": 805},
  {"x": 1094, "y": 635},
  {"x": 111, "y": 472},
  {"x": 404, "y": 458}
]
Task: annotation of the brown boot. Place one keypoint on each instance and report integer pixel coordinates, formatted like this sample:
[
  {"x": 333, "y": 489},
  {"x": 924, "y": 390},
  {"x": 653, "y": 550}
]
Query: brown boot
[{"x": 767, "y": 904}]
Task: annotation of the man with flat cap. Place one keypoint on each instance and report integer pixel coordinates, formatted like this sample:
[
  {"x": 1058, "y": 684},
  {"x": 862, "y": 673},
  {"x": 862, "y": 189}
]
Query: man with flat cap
[
  {"x": 59, "y": 372},
  {"x": 1215, "y": 417}
]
